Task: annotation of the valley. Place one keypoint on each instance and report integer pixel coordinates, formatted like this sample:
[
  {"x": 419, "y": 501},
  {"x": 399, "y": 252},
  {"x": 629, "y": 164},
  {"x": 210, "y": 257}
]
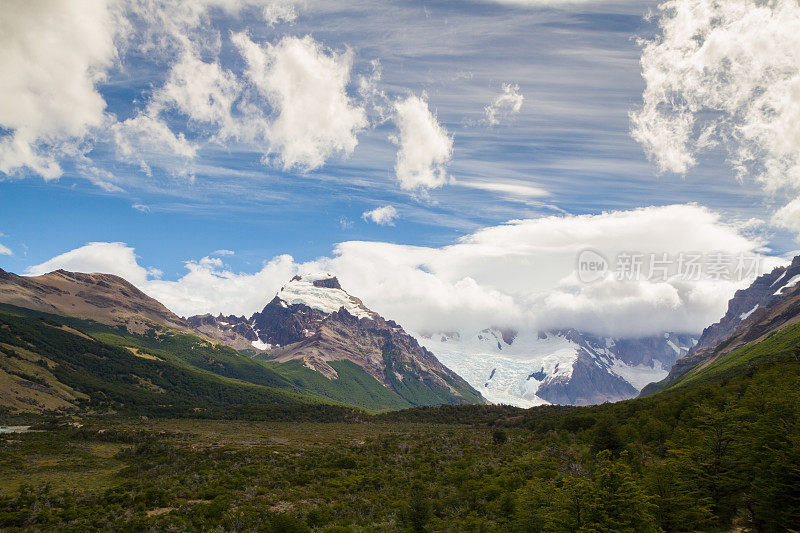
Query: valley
[{"x": 135, "y": 423}]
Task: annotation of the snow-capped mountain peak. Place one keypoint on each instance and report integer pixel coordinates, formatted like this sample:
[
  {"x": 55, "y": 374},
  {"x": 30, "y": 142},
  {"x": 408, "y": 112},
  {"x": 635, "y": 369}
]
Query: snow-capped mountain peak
[{"x": 322, "y": 292}]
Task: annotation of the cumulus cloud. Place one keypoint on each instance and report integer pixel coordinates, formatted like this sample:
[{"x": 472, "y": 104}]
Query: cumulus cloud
[
  {"x": 383, "y": 216},
  {"x": 52, "y": 55},
  {"x": 5, "y": 250},
  {"x": 202, "y": 91},
  {"x": 425, "y": 147},
  {"x": 507, "y": 103},
  {"x": 788, "y": 216},
  {"x": 520, "y": 274},
  {"x": 306, "y": 86},
  {"x": 724, "y": 74}
]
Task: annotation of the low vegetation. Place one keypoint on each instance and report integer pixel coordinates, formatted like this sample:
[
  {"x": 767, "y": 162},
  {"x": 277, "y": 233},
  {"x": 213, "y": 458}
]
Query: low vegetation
[{"x": 719, "y": 452}]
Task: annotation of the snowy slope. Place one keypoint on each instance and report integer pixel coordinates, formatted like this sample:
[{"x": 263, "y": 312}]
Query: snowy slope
[{"x": 306, "y": 290}]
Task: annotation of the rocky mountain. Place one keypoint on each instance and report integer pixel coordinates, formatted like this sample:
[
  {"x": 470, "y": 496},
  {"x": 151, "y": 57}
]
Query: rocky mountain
[
  {"x": 314, "y": 321},
  {"x": 312, "y": 344},
  {"x": 765, "y": 289},
  {"x": 770, "y": 303},
  {"x": 560, "y": 366},
  {"x": 104, "y": 298}
]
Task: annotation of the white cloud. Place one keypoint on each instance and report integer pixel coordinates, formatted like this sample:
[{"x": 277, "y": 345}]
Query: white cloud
[
  {"x": 207, "y": 287},
  {"x": 280, "y": 12},
  {"x": 724, "y": 74},
  {"x": 383, "y": 216},
  {"x": 203, "y": 91},
  {"x": 788, "y": 216},
  {"x": 106, "y": 257},
  {"x": 305, "y": 84},
  {"x": 425, "y": 148},
  {"x": 141, "y": 207},
  {"x": 520, "y": 274},
  {"x": 521, "y": 191},
  {"x": 52, "y": 54},
  {"x": 146, "y": 140},
  {"x": 5, "y": 250},
  {"x": 507, "y": 103}
]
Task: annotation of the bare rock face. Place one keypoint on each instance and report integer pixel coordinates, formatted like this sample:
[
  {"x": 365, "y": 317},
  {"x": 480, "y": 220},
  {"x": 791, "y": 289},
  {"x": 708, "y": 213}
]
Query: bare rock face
[
  {"x": 281, "y": 324},
  {"x": 104, "y": 298},
  {"x": 588, "y": 384}
]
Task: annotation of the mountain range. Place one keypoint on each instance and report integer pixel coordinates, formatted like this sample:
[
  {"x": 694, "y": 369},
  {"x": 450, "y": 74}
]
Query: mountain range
[
  {"x": 314, "y": 320},
  {"x": 313, "y": 343},
  {"x": 564, "y": 366}
]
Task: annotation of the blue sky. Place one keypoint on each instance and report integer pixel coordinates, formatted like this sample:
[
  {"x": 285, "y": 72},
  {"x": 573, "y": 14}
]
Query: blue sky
[{"x": 576, "y": 66}]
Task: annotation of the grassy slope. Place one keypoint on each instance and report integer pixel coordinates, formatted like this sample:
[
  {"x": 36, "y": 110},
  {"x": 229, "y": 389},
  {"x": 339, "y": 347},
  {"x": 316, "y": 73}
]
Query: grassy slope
[
  {"x": 717, "y": 452},
  {"x": 354, "y": 385},
  {"x": 191, "y": 362},
  {"x": 109, "y": 376}
]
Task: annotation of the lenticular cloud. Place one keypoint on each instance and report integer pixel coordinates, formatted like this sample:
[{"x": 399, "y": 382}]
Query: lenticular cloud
[{"x": 724, "y": 74}]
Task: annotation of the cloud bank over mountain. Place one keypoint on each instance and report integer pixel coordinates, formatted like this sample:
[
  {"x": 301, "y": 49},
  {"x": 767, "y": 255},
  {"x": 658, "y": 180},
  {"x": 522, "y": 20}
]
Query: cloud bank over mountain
[{"x": 520, "y": 275}]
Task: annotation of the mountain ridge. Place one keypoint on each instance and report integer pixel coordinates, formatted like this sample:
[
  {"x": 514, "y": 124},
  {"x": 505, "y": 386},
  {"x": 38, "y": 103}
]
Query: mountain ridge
[
  {"x": 563, "y": 366},
  {"x": 105, "y": 298},
  {"x": 770, "y": 304}
]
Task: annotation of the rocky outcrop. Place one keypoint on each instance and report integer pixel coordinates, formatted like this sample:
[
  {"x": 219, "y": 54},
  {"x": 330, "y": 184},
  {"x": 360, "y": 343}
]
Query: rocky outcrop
[
  {"x": 231, "y": 330},
  {"x": 763, "y": 290}
]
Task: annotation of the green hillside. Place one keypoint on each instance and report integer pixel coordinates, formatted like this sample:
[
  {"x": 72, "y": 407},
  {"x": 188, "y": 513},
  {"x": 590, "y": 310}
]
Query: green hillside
[{"x": 164, "y": 371}]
